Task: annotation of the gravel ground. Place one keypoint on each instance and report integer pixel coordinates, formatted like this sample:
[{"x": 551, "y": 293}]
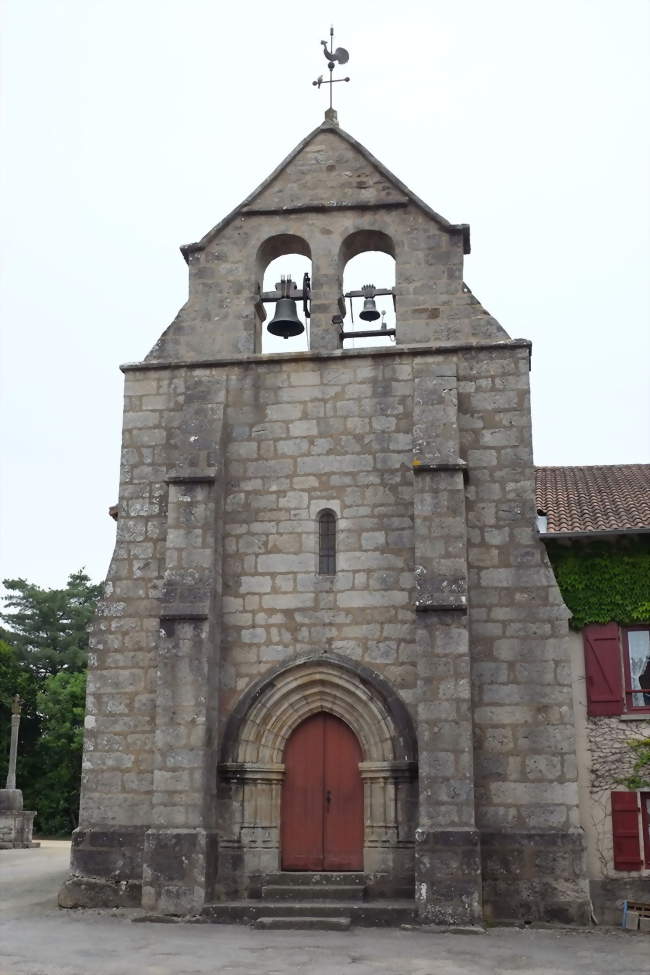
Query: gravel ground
[{"x": 36, "y": 938}]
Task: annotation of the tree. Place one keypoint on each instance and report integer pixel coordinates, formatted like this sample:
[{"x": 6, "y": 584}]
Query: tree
[
  {"x": 43, "y": 651},
  {"x": 15, "y": 678},
  {"x": 49, "y": 627},
  {"x": 61, "y": 704}
]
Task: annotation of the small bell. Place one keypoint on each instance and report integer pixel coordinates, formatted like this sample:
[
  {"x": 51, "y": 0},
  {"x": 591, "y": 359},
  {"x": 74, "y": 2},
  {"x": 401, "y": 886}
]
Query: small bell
[
  {"x": 285, "y": 322},
  {"x": 369, "y": 313}
]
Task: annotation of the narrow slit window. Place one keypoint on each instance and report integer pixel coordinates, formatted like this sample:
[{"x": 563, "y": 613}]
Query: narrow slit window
[{"x": 327, "y": 543}]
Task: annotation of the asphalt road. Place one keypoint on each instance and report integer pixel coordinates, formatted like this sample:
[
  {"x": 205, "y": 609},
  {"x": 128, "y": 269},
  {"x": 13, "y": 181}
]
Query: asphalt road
[{"x": 36, "y": 938}]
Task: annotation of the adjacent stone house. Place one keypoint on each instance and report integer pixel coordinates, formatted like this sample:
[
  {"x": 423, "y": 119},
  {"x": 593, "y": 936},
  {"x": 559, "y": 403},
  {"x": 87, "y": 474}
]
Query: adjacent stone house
[
  {"x": 331, "y": 645},
  {"x": 596, "y": 524}
]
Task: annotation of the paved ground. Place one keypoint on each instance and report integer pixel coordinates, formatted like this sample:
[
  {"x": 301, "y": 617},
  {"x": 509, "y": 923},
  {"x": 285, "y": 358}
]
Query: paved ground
[{"x": 38, "y": 939}]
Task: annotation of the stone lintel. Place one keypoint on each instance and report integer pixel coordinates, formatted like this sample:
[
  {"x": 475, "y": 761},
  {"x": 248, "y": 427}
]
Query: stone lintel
[
  {"x": 441, "y": 602},
  {"x": 183, "y": 613},
  {"x": 252, "y": 770},
  {"x": 193, "y": 477},
  {"x": 388, "y": 770},
  {"x": 421, "y": 467}
]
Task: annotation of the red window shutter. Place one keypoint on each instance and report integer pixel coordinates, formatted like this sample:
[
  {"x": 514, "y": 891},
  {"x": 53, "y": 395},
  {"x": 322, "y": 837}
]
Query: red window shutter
[
  {"x": 603, "y": 669},
  {"x": 625, "y": 830}
]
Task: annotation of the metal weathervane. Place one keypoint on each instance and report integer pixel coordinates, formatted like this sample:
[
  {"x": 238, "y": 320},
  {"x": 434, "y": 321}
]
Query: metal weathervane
[{"x": 340, "y": 55}]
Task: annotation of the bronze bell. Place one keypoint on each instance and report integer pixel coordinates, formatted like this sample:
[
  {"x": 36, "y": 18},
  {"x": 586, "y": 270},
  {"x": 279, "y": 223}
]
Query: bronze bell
[
  {"x": 369, "y": 313},
  {"x": 285, "y": 322}
]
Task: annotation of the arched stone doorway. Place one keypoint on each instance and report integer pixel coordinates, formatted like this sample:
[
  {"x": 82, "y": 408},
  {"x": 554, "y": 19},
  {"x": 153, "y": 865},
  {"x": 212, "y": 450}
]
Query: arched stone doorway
[
  {"x": 321, "y": 819},
  {"x": 252, "y": 769}
]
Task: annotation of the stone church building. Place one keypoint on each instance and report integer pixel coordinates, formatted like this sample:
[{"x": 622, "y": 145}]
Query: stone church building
[{"x": 322, "y": 658}]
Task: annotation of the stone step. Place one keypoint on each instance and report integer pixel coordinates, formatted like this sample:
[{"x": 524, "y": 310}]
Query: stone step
[
  {"x": 303, "y": 923},
  {"x": 329, "y": 892},
  {"x": 390, "y": 913},
  {"x": 307, "y": 878}
]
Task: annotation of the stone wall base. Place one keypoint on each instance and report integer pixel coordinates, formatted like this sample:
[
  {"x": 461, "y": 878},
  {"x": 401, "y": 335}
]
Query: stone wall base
[
  {"x": 608, "y": 894},
  {"x": 179, "y": 870},
  {"x": 164, "y": 870},
  {"x": 91, "y": 892},
  {"x": 534, "y": 876},
  {"x": 461, "y": 876},
  {"x": 108, "y": 853},
  {"x": 448, "y": 876},
  {"x": 106, "y": 867}
]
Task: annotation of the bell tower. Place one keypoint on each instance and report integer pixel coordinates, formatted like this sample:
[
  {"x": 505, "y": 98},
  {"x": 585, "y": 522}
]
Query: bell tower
[{"x": 330, "y": 546}]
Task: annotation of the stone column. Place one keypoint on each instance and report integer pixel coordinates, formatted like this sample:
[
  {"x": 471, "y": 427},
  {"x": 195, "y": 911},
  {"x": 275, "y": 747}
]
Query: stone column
[
  {"x": 13, "y": 747},
  {"x": 388, "y": 830},
  {"x": 15, "y": 822},
  {"x": 326, "y": 287},
  {"x": 447, "y": 853}
]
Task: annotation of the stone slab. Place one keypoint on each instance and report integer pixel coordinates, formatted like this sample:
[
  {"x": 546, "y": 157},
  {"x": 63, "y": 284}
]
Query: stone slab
[
  {"x": 303, "y": 923},
  {"x": 314, "y": 892}
]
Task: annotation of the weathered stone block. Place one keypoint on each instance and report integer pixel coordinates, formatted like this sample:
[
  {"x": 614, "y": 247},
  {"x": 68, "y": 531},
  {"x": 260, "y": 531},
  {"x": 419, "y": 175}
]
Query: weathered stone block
[
  {"x": 448, "y": 876},
  {"x": 520, "y": 877},
  {"x": 179, "y": 870}
]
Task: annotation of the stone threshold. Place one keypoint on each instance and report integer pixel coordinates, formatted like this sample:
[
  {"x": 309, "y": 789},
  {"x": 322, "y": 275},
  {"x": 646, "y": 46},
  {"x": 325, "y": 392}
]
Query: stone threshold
[{"x": 383, "y": 913}]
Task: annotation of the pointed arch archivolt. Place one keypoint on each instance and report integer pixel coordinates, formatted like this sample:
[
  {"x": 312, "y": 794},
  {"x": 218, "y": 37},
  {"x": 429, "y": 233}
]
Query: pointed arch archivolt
[
  {"x": 267, "y": 715},
  {"x": 252, "y": 767}
]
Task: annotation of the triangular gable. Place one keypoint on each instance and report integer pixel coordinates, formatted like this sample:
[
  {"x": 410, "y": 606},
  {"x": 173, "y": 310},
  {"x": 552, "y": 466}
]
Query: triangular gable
[{"x": 386, "y": 189}]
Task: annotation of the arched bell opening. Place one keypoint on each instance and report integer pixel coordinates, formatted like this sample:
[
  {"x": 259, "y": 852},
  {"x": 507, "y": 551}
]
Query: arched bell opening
[
  {"x": 367, "y": 268},
  {"x": 253, "y": 770},
  {"x": 282, "y": 263}
]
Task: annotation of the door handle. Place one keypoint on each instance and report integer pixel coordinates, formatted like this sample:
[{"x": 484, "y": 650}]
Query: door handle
[{"x": 328, "y": 798}]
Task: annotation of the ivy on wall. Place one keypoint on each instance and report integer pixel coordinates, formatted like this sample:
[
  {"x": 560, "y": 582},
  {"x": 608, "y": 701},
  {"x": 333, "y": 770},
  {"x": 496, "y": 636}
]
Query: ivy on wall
[
  {"x": 641, "y": 768},
  {"x": 603, "y": 582}
]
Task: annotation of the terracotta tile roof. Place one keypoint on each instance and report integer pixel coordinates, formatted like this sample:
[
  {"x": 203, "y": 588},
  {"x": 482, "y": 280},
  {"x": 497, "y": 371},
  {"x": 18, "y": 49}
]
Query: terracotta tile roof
[{"x": 594, "y": 499}]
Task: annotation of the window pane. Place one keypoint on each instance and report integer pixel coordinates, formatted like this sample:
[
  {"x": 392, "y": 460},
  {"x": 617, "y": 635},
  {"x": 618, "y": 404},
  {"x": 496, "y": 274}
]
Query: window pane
[
  {"x": 638, "y": 647},
  {"x": 327, "y": 543}
]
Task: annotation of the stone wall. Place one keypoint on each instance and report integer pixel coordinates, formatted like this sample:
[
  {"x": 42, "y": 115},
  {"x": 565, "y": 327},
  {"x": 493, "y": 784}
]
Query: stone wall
[
  {"x": 442, "y": 590},
  {"x": 604, "y": 758},
  {"x": 225, "y": 275},
  {"x": 299, "y": 434}
]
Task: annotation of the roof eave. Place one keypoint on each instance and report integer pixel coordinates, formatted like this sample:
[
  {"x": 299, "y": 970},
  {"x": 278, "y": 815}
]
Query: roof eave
[{"x": 545, "y": 536}]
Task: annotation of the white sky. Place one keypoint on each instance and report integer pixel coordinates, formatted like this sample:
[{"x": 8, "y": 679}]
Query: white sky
[{"x": 130, "y": 127}]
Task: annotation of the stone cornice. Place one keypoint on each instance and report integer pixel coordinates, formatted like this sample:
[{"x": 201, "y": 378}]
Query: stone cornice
[{"x": 338, "y": 354}]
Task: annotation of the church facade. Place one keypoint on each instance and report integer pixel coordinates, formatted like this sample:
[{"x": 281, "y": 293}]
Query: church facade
[{"x": 331, "y": 640}]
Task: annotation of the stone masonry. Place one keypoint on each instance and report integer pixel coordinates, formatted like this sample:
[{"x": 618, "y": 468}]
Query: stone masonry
[
  {"x": 604, "y": 759},
  {"x": 441, "y": 639}
]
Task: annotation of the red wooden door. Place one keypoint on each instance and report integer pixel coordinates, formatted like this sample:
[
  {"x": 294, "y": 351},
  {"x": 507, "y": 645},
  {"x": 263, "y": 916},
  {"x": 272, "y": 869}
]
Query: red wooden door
[{"x": 322, "y": 797}]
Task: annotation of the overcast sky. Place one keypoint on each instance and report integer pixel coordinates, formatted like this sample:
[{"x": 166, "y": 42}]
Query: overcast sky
[{"x": 130, "y": 127}]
